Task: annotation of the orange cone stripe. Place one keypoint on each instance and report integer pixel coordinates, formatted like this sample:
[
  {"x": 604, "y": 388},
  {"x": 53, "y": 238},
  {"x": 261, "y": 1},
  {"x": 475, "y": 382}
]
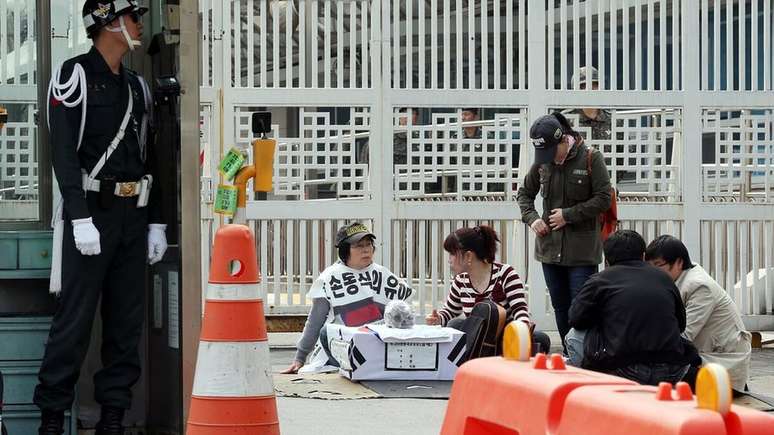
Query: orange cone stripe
[
  {"x": 233, "y": 321},
  {"x": 231, "y": 411},
  {"x": 234, "y": 243},
  {"x": 231, "y": 430}
]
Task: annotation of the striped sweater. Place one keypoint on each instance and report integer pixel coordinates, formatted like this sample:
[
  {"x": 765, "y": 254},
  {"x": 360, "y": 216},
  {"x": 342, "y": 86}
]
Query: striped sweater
[{"x": 505, "y": 288}]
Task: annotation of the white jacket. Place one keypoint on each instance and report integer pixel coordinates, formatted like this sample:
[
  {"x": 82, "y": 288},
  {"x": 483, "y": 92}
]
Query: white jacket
[{"x": 714, "y": 325}]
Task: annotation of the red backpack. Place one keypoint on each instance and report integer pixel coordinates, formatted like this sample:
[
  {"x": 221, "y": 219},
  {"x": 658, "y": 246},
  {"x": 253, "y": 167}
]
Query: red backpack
[{"x": 608, "y": 219}]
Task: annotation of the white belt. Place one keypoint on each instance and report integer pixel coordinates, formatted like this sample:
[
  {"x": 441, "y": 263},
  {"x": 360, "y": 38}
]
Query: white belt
[{"x": 127, "y": 189}]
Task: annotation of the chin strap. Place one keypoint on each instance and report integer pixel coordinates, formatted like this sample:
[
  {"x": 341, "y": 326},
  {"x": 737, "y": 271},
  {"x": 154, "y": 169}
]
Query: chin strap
[{"x": 131, "y": 42}]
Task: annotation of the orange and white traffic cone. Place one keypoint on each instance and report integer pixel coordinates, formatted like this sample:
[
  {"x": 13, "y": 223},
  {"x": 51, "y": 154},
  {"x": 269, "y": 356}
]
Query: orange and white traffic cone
[{"x": 233, "y": 391}]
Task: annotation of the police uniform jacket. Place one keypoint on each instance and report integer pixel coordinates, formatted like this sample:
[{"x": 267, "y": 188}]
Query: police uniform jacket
[{"x": 106, "y": 102}]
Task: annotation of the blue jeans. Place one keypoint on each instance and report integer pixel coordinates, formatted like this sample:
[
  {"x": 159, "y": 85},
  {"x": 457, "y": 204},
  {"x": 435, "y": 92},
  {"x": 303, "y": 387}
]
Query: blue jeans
[
  {"x": 564, "y": 283},
  {"x": 573, "y": 343}
]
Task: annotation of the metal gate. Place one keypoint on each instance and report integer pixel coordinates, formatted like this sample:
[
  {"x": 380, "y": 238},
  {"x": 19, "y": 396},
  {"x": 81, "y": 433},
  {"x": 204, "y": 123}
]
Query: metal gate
[{"x": 367, "y": 98}]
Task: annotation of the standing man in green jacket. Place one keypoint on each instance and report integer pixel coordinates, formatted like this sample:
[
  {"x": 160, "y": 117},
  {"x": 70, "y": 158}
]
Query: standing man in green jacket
[{"x": 575, "y": 185}]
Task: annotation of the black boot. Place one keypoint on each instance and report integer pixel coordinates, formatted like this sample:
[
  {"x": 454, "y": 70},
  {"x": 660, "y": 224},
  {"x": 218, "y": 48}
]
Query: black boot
[
  {"x": 51, "y": 422},
  {"x": 111, "y": 421}
]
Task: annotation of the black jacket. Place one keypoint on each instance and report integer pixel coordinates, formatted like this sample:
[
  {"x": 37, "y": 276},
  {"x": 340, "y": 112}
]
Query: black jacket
[
  {"x": 106, "y": 102},
  {"x": 632, "y": 313}
]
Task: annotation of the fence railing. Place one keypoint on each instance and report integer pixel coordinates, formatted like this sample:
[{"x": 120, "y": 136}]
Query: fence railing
[{"x": 687, "y": 85}]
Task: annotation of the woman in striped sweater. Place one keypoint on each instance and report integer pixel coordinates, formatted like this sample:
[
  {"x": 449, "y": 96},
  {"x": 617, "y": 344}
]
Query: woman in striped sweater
[{"x": 484, "y": 294}]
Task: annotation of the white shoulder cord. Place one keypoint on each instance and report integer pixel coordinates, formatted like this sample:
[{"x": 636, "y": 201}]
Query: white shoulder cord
[
  {"x": 116, "y": 140},
  {"x": 63, "y": 91}
]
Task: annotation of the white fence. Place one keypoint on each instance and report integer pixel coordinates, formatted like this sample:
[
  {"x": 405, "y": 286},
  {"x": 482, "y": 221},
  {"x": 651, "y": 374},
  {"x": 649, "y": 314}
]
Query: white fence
[
  {"x": 18, "y": 94},
  {"x": 688, "y": 86},
  {"x": 18, "y": 162}
]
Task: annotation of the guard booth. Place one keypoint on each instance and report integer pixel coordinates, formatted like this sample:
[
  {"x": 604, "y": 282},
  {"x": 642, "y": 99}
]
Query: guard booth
[{"x": 35, "y": 37}]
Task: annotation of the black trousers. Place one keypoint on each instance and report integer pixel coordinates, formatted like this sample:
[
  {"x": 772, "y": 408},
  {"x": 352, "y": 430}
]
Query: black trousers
[
  {"x": 117, "y": 275},
  {"x": 480, "y": 330}
]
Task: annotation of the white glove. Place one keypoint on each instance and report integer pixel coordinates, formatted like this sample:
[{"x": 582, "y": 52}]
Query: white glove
[
  {"x": 86, "y": 236},
  {"x": 157, "y": 242}
]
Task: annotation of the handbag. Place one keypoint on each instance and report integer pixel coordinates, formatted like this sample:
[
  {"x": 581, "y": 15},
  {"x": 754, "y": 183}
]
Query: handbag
[{"x": 608, "y": 219}]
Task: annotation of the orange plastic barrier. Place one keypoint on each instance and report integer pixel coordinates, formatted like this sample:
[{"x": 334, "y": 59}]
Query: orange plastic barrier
[
  {"x": 495, "y": 396},
  {"x": 233, "y": 391},
  {"x": 647, "y": 410}
]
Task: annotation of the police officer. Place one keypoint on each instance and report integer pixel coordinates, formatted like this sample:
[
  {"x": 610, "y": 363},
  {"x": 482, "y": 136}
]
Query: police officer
[
  {"x": 111, "y": 221},
  {"x": 596, "y": 119}
]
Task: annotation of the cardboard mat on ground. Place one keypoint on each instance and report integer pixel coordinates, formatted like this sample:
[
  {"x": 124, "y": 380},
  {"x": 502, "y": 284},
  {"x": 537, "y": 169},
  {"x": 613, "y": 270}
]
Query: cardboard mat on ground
[
  {"x": 329, "y": 386},
  {"x": 332, "y": 386}
]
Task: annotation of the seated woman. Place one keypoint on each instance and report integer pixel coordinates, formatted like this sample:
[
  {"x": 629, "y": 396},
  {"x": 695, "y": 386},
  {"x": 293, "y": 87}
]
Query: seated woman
[
  {"x": 485, "y": 293},
  {"x": 352, "y": 292}
]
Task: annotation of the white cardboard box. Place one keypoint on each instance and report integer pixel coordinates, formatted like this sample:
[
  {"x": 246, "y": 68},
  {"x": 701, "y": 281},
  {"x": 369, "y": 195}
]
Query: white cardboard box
[{"x": 362, "y": 355}]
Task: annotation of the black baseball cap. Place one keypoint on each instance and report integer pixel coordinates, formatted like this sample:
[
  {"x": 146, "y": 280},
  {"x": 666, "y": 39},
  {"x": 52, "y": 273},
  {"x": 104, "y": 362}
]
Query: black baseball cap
[
  {"x": 546, "y": 133},
  {"x": 352, "y": 233}
]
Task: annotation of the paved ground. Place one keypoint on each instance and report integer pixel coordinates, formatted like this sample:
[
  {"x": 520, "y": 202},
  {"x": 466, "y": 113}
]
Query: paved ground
[
  {"x": 358, "y": 417},
  {"x": 345, "y": 417},
  {"x": 409, "y": 416},
  {"x": 762, "y": 371}
]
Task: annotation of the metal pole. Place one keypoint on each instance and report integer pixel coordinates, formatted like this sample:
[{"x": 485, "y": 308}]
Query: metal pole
[
  {"x": 691, "y": 134},
  {"x": 190, "y": 234},
  {"x": 43, "y": 45},
  {"x": 537, "y": 107}
]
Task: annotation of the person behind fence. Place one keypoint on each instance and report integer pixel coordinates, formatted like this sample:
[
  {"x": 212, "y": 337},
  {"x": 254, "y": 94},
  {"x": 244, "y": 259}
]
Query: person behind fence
[
  {"x": 713, "y": 322},
  {"x": 484, "y": 295},
  {"x": 352, "y": 292},
  {"x": 628, "y": 319},
  {"x": 597, "y": 120},
  {"x": 470, "y": 114},
  {"x": 399, "y": 140},
  {"x": 575, "y": 187}
]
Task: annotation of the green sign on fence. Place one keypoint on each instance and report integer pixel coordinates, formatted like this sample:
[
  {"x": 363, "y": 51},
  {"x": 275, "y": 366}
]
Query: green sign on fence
[
  {"x": 226, "y": 200},
  {"x": 231, "y": 163}
]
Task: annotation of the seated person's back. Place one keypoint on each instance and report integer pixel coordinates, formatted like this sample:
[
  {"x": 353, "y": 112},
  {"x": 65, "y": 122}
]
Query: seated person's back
[
  {"x": 713, "y": 322},
  {"x": 632, "y": 316}
]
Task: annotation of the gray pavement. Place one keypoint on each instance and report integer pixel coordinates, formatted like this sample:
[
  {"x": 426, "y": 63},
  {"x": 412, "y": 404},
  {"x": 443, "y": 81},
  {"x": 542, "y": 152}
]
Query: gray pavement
[
  {"x": 411, "y": 416},
  {"x": 359, "y": 417}
]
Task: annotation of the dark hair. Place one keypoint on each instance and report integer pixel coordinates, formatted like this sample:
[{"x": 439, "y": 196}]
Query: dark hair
[
  {"x": 343, "y": 249},
  {"x": 624, "y": 245},
  {"x": 481, "y": 240},
  {"x": 566, "y": 127},
  {"x": 471, "y": 110},
  {"x": 669, "y": 249}
]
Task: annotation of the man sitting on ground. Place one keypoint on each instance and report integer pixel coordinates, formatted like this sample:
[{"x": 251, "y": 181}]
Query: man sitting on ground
[
  {"x": 713, "y": 323},
  {"x": 627, "y": 319}
]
